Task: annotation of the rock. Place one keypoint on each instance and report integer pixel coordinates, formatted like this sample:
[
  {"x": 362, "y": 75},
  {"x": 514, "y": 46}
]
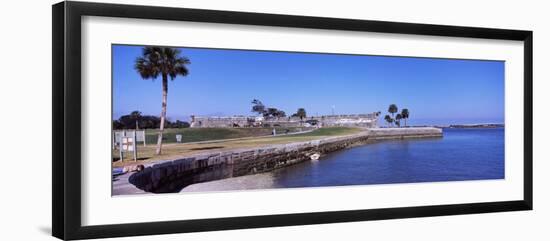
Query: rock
[{"x": 133, "y": 168}]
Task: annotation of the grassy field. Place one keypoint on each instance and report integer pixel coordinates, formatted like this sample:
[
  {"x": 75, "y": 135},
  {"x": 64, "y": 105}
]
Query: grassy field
[
  {"x": 172, "y": 150},
  {"x": 208, "y": 134}
]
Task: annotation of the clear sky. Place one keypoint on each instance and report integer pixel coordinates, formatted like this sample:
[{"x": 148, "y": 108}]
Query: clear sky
[{"x": 224, "y": 82}]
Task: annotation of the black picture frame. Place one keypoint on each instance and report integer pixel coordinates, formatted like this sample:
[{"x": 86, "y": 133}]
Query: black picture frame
[{"x": 66, "y": 185}]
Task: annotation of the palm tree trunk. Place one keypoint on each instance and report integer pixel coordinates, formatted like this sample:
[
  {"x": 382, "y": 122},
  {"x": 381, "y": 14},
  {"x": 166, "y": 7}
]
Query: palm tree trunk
[{"x": 163, "y": 112}]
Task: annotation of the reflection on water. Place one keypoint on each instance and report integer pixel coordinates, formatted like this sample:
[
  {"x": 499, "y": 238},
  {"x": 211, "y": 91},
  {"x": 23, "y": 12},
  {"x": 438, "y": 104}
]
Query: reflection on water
[{"x": 462, "y": 154}]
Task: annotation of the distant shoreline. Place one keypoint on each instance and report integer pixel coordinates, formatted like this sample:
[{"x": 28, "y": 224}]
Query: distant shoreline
[
  {"x": 478, "y": 126},
  {"x": 463, "y": 126}
]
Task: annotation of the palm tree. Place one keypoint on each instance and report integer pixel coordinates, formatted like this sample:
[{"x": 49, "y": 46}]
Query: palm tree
[
  {"x": 388, "y": 119},
  {"x": 155, "y": 61},
  {"x": 136, "y": 115},
  {"x": 405, "y": 115},
  {"x": 398, "y": 118},
  {"x": 392, "y": 109},
  {"x": 301, "y": 113}
]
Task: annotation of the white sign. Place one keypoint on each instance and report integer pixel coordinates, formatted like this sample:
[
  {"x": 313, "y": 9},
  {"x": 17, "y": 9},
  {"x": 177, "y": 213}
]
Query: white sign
[
  {"x": 126, "y": 143},
  {"x": 118, "y": 135}
]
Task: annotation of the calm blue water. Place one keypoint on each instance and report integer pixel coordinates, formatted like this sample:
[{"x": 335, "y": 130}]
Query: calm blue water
[{"x": 462, "y": 154}]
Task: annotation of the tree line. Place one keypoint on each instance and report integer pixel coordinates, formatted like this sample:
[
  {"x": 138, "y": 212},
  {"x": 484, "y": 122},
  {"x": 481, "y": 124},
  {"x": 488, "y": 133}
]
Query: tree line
[
  {"x": 261, "y": 109},
  {"x": 135, "y": 120}
]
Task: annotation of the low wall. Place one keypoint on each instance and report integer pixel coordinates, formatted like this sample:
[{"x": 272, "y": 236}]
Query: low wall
[
  {"x": 402, "y": 133},
  {"x": 172, "y": 176}
]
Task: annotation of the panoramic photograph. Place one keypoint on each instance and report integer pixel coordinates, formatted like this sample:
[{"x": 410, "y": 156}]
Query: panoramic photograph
[{"x": 187, "y": 120}]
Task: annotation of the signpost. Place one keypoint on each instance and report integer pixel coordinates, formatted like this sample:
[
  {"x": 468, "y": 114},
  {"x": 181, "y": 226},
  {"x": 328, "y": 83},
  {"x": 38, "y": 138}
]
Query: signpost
[
  {"x": 117, "y": 137},
  {"x": 128, "y": 144},
  {"x": 141, "y": 137},
  {"x": 126, "y": 141}
]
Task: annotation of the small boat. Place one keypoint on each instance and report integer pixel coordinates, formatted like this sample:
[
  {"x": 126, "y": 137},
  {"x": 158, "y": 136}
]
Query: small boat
[{"x": 315, "y": 157}]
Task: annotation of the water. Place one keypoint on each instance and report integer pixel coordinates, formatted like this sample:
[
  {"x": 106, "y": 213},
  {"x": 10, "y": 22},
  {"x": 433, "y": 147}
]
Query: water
[{"x": 462, "y": 154}]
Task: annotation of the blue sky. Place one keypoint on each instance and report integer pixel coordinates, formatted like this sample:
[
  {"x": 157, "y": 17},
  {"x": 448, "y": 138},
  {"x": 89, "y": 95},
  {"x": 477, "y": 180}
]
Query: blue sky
[{"x": 223, "y": 82}]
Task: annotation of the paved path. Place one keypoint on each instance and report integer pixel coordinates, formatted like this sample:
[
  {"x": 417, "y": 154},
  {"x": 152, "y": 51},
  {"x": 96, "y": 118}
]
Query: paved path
[
  {"x": 248, "y": 182},
  {"x": 122, "y": 185}
]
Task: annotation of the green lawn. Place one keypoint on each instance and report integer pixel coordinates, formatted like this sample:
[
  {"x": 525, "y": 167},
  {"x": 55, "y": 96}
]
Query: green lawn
[
  {"x": 173, "y": 150},
  {"x": 208, "y": 134},
  {"x": 330, "y": 131}
]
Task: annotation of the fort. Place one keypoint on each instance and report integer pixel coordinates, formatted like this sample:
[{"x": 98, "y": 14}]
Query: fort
[{"x": 359, "y": 120}]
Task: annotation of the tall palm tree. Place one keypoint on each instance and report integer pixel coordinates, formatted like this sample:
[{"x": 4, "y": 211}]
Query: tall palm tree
[
  {"x": 398, "y": 118},
  {"x": 155, "y": 61},
  {"x": 405, "y": 115},
  {"x": 388, "y": 119},
  {"x": 392, "y": 109}
]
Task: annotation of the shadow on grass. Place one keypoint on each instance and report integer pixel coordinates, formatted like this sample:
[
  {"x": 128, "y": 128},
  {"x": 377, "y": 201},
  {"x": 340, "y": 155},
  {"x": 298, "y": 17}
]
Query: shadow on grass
[
  {"x": 206, "y": 148},
  {"x": 116, "y": 159}
]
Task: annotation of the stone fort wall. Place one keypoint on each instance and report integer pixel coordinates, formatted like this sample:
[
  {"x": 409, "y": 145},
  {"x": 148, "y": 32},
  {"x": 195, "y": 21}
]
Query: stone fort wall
[{"x": 359, "y": 120}]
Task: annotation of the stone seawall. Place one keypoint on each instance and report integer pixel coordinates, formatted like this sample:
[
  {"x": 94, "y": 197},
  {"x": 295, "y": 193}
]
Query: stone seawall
[
  {"x": 172, "y": 176},
  {"x": 402, "y": 133}
]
